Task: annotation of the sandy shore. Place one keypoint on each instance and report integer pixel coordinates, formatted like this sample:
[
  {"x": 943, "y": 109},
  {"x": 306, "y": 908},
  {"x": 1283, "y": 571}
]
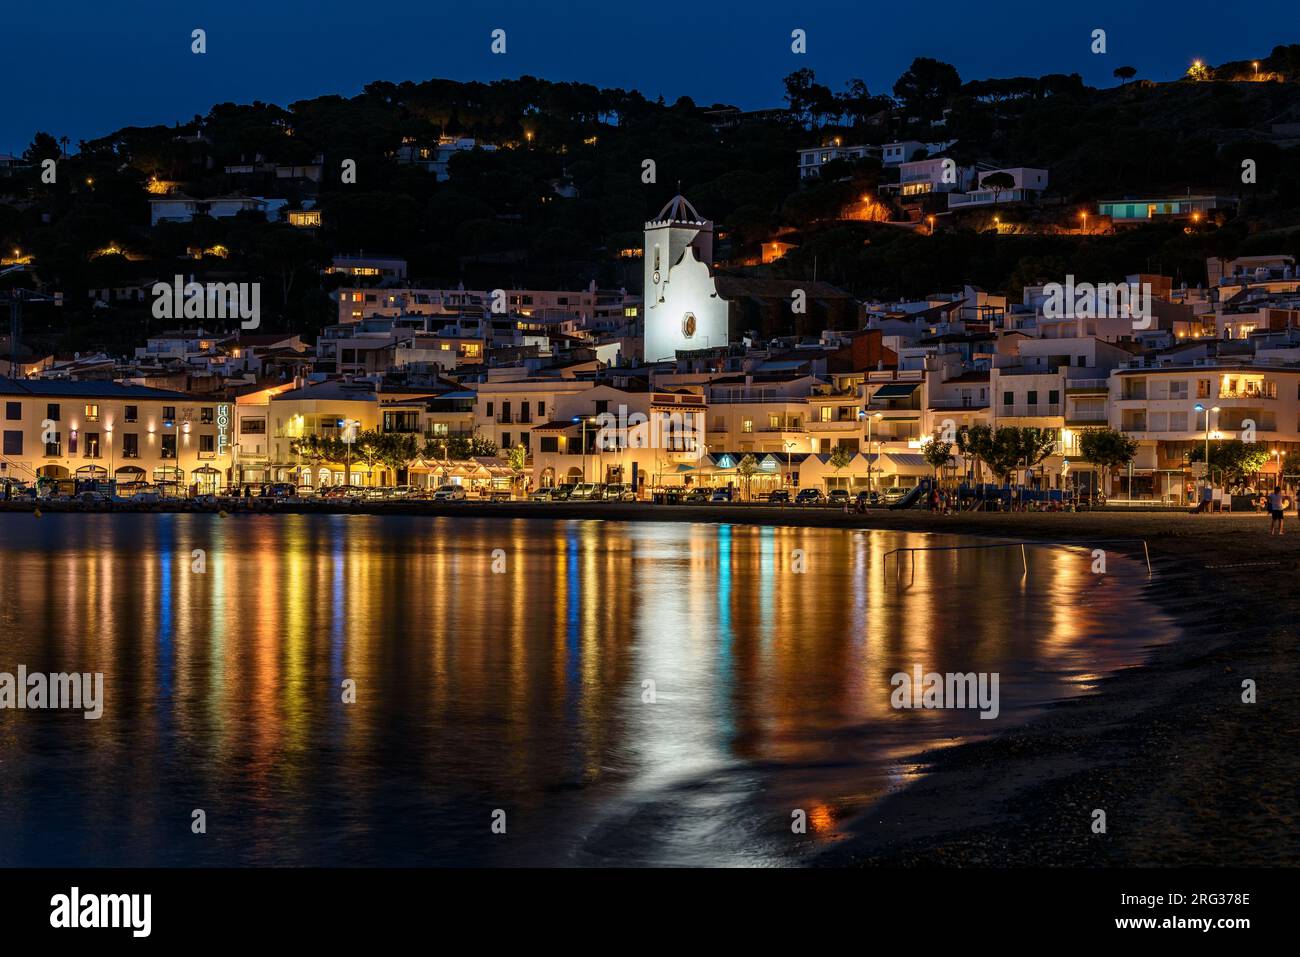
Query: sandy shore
[{"x": 1186, "y": 772}]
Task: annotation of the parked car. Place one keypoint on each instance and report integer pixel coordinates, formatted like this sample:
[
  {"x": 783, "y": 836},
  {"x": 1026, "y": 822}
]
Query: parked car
[
  {"x": 865, "y": 499},
  {"x": 779, "y": 497},
  {"x": 585, "y": 492},
  {"x": 564, "y": 491},
  {"x": 721, "y": 495},
  {"x": 697, "y": 495},
  {"x": 278, "y": 490},
  {"x": 893, "y": 494},
  {"x": 839, "y": 496},
  {"x": 809, "y": 496},
  {"x": 449, "y": 493},
  {"x": 544, "y": 494},
  {"x": 617, "y": 492}
]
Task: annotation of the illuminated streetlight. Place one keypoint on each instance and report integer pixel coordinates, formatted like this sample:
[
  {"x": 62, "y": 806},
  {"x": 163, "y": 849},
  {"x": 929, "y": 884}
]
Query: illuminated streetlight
[{"x": 931, "y": 221}]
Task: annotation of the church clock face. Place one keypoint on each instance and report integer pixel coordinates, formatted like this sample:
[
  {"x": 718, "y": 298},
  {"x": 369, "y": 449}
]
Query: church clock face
[
  {"x": 688, "y": 325},
  {"x": 655, "y": 277}
]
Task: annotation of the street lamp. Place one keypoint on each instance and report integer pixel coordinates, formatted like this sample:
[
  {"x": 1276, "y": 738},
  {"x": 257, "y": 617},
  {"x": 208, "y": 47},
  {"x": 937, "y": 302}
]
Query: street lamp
[
  {"x": 789, "y": 465},
  {"x": 1084, "y": 216},
  {"x": 931, "y": 221},
  {"x": 583, "y": 420},
  {"x": 1200, "y": 408},
  {"x": 863, "y": 414}
]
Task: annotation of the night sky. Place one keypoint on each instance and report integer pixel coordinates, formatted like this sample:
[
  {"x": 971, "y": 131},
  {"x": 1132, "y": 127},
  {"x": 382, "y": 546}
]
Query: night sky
[{"x": 83, "y": 69}]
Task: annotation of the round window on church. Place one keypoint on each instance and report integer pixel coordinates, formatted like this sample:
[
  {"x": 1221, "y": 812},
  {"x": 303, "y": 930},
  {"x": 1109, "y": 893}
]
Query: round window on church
[{"x": 688, "y": 325}]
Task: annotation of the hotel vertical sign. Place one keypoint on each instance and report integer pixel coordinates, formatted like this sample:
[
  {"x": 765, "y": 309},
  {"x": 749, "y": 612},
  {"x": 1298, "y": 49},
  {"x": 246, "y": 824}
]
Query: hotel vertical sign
[{"x": 223, "y": 429}]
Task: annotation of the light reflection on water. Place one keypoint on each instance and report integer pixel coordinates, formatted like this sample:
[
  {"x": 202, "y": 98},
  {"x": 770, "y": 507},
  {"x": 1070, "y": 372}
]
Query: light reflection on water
[{"x": 521, "y": 691}]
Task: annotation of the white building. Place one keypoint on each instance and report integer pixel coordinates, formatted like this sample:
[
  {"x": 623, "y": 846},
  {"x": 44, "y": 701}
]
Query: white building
[{"x": 683, "y": 309}]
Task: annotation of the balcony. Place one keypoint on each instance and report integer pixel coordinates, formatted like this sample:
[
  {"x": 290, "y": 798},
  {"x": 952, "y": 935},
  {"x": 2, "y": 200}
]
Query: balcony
[
  {"x": 1087, "y": 385},
  {"x": 1030, "y": 411},
  {"x": 1087, "y": 415}
]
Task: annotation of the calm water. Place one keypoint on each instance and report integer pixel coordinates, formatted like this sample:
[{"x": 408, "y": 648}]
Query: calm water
[{"x": 521, "y": 691}]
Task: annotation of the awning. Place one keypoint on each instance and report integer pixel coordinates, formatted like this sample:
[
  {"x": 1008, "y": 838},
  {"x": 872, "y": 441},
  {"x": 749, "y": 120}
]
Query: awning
[
  {"x": 908, "y": 460},
  {"x": 895, "y": 390}
]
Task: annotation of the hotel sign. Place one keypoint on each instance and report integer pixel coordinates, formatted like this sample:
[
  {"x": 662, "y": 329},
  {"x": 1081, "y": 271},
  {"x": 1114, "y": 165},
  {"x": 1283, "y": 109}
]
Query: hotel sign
[{"x": 223, "y": 429}]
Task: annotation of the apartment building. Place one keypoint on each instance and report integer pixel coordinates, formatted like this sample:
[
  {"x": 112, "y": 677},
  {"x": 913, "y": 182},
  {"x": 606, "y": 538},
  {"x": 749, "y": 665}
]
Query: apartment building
[
  {"x": 1170, "y": 409},
  {"x": 109, "y": 431}
]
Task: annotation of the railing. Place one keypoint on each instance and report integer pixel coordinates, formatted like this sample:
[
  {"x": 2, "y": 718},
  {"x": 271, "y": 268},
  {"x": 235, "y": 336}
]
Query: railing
[
  {"x": 1087, "y": 415},
  {"x": 1022, "y": 545},
  {"x": 1046, "y": 408},
  {"x": 957, "y": 404},
  {"x": 1087, "y": 384}
]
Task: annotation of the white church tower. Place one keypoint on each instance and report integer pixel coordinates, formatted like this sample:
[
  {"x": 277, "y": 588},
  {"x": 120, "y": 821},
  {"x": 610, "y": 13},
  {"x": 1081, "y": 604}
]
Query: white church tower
[{"x": 682, "y": 309}]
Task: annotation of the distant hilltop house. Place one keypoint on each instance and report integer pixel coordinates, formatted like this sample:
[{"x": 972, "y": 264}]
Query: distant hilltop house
[
  {"x": 179, "y": 208},
  {"x": 1025, "y": 183},
  {"x": 812, "y": 160},
  {"x": 687, "y": 307},
  {"x": 435, "y": 159},
  {"x": 367, "y": 267},
  {"x": 1134, "y": 212},
  {"x": 10, "y": 164}
]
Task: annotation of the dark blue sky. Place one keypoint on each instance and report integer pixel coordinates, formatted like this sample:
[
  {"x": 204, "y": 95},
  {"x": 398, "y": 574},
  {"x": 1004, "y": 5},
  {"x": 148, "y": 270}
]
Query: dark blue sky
[{"x": 86, "y": 67}]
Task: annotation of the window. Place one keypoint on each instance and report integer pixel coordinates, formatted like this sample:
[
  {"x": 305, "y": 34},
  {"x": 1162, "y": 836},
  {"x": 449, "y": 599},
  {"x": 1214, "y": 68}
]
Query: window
[
  {"x": 1202, "y": 388},
  {"x": 13, "y": 444},
  {"x": 92, "y": 445},
  {"x": 747, "y": 425},
  {"x": 774, "y": 422},
  {"x": 1178, "y": 389},
  {"x": 92, "y": 411},
  {"x": 505, "y": 440},
  {"x": 55, "y": 448},
  {"x": 72, "y": 443},
  {"x": 207, "y": 446},
  {"x": 169, "y": 413},
  {"x": 1032, "y": 397},
  {"x": 549, "y": 443},
  {"x": 13, "y": 411},
  {"x": 131, "y": 414},
  {"x": 168, "y": 447},
  {"x": 489, "y": 410},
  {"x": 826, "y": 413},
  {"x": 1008, "y": 398},
  {"x": 52, "y": 411},
  {"x": 1053, "y": 397},
  {"x": 602, "y": 406},
  {"x": 252, "y": 426},
  {"x": 206, "y": 415},
  {"x": 541, "y": 410},
  {"x": 130, "y": 445}
]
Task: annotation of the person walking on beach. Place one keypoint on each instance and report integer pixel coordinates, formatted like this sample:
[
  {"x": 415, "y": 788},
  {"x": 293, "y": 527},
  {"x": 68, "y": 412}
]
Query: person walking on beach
[{"x": 1277, "y": 503}]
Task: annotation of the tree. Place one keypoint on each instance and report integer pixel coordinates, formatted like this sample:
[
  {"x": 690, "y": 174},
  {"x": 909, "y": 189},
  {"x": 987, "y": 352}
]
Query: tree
[
  {"x": 1233, "y": 458},
  {"x": 398, "y": 449},
  {"x": 517, "y": 459},
  {"x": 841, "y": 456},
  {"x": 937, "y": 454},
  {"x": 1107, "y": 448},
  {"x": 974, "y": 442},
  {"x": 44, "y": 146},
  {"x": 927, "y": 86},
  {"x": 746, "y": 468},
  {"x": 998, "y": 183},
  {"x": 1124, "y": 73}
]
